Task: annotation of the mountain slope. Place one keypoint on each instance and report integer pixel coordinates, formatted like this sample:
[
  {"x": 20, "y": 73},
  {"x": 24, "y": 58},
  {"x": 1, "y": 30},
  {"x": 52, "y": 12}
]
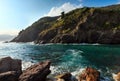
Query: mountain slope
[
  {"x": 85, "y": 25},
  {"x": 31, "y": 33}
]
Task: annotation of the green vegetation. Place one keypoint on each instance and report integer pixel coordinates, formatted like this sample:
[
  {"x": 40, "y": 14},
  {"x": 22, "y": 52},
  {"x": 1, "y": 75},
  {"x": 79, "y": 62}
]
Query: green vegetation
[{"x": 79, "y": 25}]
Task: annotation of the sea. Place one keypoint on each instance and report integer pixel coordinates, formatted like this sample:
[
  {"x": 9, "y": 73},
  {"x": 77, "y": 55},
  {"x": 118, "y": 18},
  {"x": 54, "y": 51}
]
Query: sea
[{"x": 72, "y": 58}]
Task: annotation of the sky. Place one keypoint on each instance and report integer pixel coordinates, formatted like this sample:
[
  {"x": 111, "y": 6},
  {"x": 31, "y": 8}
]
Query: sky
[{"x": 16, "y": 15}]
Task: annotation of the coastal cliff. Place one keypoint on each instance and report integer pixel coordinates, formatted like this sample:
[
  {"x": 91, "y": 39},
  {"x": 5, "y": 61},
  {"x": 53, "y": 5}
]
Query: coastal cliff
[{"x": 84, "y": 25}]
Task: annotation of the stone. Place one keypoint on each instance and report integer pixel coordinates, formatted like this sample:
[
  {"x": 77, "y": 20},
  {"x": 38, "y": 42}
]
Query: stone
[
  {"x": 64, "y": 77},
  {"x": 89, "y": 74},
  {"x": 9, "y": 76},
  {"x": 116, "y": 77},
  {"x": 9, "y": 64},
  {"x": 37, "y": 72}
]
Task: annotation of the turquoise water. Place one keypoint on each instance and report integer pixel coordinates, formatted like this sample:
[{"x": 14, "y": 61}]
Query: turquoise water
[{"x": 67, "y": 58}]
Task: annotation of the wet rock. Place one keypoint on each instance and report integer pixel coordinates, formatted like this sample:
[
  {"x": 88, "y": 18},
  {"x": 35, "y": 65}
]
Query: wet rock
[
  {"x": 89, "y": 74},
  {"x": 116, "y": 77},
  {"x": 9, "y": 76},
  {"x": 64, "y": 77},
  {"x": 37, "y": 72},
  {"x": 9, "y": 64}
]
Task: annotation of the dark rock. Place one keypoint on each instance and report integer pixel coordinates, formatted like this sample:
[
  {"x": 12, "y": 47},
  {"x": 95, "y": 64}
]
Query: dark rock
[
  {"x": 9, "y": 76},
  {"x": 9, "y": 64},
  {"x": 64, "y": 77},
  {"x": 89, "y": 74},
  {"x": 116, "y": 38},
  {"x": 37, "y": 72}
]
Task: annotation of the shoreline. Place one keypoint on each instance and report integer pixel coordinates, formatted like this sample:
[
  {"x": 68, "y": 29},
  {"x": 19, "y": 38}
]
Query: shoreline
[{"x": 44, "y": 69}]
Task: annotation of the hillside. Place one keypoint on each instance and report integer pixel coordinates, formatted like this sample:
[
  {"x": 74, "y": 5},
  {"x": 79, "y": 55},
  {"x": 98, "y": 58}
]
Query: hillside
[
  {"x": 31, "y": 33},
  {"x": 84, "y": 25}
]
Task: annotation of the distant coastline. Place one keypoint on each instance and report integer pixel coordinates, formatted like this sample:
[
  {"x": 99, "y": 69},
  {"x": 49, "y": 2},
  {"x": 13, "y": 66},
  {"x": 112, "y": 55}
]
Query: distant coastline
[{"x": 6, "y": 37}]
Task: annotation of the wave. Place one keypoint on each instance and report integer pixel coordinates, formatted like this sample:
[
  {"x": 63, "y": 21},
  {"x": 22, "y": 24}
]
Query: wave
[
  {"x": 25, "y": 65},
  {"x": 75, "y": 51},
  {"x": 67, "y": 44},
  {"x": 55, "y": 71}
]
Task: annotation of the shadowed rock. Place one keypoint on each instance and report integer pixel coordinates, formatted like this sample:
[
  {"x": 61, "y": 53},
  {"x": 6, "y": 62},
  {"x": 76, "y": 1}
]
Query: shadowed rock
[{"x": 9, "y": 76}]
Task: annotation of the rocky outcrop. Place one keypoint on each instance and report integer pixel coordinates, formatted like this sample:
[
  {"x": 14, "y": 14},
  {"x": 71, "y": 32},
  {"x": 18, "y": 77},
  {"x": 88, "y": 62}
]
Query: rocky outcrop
[
  {"x": 10, "y": 69},
  {"x": 37, "y": 72},
  {"x": 89, "y": 74},
  {"x": 9, "y": 64}
]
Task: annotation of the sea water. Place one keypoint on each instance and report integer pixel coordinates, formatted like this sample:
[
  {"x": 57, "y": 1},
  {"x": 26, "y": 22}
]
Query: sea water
[{"x": 66, "y": 57}]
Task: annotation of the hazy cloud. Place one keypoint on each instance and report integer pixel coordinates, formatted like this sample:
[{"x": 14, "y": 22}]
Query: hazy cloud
[
  {"x": 66, "y": 7},
  {"x": 118, "y": 2}
]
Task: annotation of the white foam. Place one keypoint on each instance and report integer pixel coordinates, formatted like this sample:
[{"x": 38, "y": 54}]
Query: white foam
[
  {"x": 25, "y": 65},
  {"x": 74, "y": 51},
  {"x": 77, "y": 72}
]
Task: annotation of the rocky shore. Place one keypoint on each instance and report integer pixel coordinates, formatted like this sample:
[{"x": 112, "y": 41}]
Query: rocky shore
[{"x": 11, "y": 70}]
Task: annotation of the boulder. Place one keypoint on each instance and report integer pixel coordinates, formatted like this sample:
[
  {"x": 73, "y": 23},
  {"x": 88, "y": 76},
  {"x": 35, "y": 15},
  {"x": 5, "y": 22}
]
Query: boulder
[
  {"x": 89, "y": 74},
  {"x": 64, "y": 77},
  {"x": 116, "y": 77},
  {"x": 9, "y": 64},
  {"x": 37, "y": 72},
  {"x": 9, "y": 76}
]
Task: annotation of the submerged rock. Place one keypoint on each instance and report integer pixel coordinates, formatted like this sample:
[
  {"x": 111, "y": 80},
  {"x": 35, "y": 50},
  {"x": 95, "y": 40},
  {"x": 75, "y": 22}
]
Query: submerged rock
[
  {"x": 37, "y": 72},
  {"x": 89, "y": 74}
]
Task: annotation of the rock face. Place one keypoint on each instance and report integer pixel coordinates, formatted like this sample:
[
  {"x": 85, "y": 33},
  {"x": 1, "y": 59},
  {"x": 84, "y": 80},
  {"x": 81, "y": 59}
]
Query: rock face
[
  {"x": 89, "y": 74},
  {"x": 37, "y": 72},
  {"x": 84, "y": 25}
]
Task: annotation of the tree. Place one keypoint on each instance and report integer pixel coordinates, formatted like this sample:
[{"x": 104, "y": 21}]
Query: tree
[{"x": 62, "y": 14}]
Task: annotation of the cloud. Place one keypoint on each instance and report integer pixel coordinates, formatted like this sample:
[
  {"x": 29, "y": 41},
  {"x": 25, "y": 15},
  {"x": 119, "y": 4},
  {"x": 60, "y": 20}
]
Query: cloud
[
  {"x": 66, "y": 7},
  {"x": 118, "y": 2}
]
